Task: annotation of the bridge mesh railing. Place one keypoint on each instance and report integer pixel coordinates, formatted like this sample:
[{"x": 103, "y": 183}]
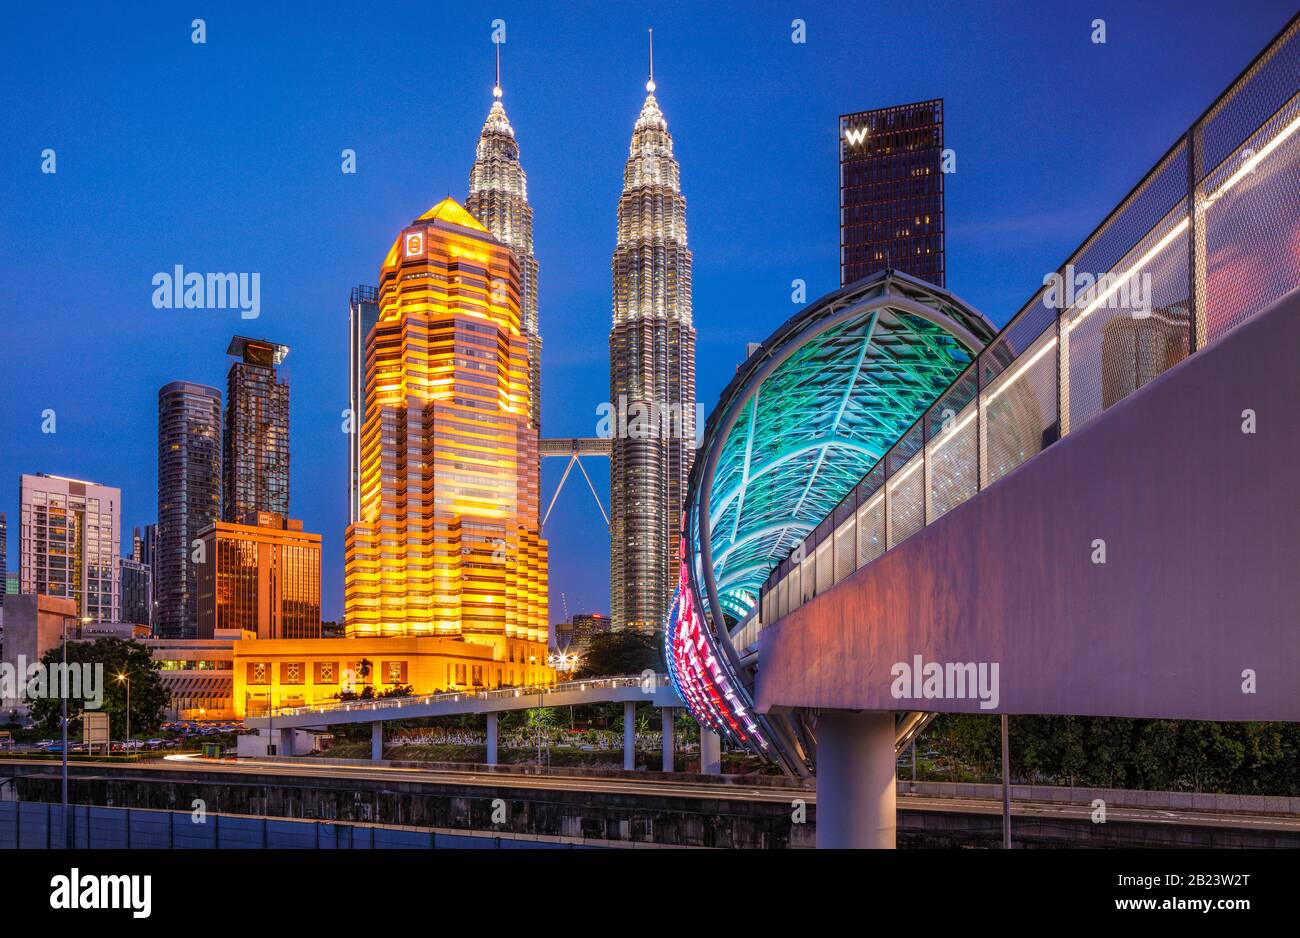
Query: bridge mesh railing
[
  {"x": 647, "y": 682},
  {"x": 1209, "y": 238}
]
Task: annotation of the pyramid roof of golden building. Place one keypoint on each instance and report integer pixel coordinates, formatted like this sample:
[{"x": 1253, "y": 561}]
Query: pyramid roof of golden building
[{"x": 452, "y": 212}]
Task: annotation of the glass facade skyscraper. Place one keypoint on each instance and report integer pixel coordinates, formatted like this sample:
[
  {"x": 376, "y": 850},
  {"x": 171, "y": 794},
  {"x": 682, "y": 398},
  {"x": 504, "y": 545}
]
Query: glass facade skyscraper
[
  {"x": 189, "y": 497},
  {"x": 363, "y": 313},
  {"x": 137, "y": 592},
  {"x": 891, "y": 192},
  {"x": 257, "y": 431},
  {"x": 652, "y": 377},
  {"x": 70, "y": 541},
  {"x": 447, "y": 543}
]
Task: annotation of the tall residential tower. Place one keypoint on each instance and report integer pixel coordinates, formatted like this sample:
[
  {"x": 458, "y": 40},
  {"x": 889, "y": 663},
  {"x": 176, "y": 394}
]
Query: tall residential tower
[
  {"x": 447, "y": 544},
  {"x": 71, "y": 531},
  {"x": 498, "y": 197},
  {"x": 652, "y": 376},
  {"x": 257, "y": 431},
  {"x": 189, "y": 497}
]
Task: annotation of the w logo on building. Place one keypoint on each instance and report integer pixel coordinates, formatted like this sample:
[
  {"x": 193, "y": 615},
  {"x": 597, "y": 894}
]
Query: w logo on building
[{"x": 855, "y": 136}]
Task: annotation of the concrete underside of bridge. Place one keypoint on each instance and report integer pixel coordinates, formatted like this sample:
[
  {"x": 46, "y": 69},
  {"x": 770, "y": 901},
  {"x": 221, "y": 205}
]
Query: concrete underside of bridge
[{"x": 1193, "y": 614}]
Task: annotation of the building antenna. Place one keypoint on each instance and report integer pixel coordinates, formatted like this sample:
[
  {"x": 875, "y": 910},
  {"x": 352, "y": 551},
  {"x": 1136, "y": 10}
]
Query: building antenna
[
  {"x": 650, "y": 85},
  {"x": 496, "y": 89}
]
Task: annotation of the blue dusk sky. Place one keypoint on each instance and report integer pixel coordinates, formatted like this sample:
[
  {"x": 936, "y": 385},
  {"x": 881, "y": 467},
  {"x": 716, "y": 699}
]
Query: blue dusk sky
[{"x": 226, "y": 157}]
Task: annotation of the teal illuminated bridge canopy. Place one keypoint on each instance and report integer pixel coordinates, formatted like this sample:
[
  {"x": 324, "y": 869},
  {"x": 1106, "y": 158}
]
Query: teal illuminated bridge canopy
[
  {"x": 814, "y": 409},
  {"x": 805, "y": 417}
]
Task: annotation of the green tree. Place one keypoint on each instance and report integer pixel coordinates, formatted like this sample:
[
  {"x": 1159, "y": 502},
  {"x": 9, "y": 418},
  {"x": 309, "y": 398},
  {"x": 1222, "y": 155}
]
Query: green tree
[
  {"x": 540, "y": 718},
  {"x": 108, "y": 657},
  {"x": 615, "y": 654},
  {"x": 1167, "y": 755}
]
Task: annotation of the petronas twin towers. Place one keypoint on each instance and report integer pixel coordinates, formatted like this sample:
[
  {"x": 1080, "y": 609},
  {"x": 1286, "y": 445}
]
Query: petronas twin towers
[
  {"x": 651, "y": 374},
  {"x": 498, "y": 197},
  {"x": 651, "y": 345}
]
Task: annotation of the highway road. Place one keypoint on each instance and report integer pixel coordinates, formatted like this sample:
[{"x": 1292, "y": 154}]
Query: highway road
[{"x": 306, "y": 768}]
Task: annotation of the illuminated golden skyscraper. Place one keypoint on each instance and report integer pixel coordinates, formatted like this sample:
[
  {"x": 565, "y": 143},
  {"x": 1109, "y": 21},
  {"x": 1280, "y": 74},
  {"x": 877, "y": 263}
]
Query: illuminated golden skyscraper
[{"x": 447, "y": 542}]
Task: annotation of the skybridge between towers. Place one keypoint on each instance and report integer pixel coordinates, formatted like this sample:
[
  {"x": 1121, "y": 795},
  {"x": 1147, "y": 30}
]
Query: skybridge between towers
[{"x": 574, "y": 448}]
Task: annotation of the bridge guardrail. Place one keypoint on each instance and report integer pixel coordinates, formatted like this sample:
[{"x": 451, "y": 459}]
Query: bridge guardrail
[
  {"x": 384, "y": 703},
  {"x": 1204, "y": 242}
]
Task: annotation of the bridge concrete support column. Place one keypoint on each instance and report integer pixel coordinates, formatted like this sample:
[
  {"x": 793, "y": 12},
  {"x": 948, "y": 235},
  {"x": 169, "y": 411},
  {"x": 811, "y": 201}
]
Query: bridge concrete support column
[
  {"x": 710, "y": 752},
  {"x": 629, "y": 735},
  {"x": 667, "y": 714},
  {"x": 377, "y": 740},
  {"x": 856, "y": 788},
  {"x": 284, "y": 742},
  {"x": 492, "y": 739}
]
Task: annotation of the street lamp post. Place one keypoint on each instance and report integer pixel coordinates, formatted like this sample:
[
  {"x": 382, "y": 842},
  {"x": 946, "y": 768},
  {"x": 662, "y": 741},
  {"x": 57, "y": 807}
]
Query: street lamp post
[
  {"x": 63, "y": 718},
  {"x": 63, "y": 715},
  {"x": 540, "y": 701},
  {"x": 1006, "y": 785},
  {"x": 120, "y": 678}
]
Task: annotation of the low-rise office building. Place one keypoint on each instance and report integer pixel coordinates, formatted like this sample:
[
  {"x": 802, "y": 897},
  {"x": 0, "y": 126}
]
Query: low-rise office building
[
  {"x": 298, "y": 673},
  {"x": 33, "y": 625},
  {"x": 233, "y": 673},
  {"x": 198, "y": 674},
  {"x": 261, "y": 575}
]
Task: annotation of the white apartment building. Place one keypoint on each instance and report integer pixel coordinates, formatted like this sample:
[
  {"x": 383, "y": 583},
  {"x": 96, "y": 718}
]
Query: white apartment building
[{"x": 69, "y": 543}]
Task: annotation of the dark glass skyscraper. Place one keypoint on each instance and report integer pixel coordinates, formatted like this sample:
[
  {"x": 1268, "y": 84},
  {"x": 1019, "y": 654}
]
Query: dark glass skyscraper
[
  {"x": 363, "y": 313},
  {"x": 189, "y": 496},
  {"x": 652, "y": 377},
  {"x": 257, "y": 431},
  {"x": 137, "y": 592},
  {"x": 149, "y": 553},
  {"x": 891, "y": 192}
]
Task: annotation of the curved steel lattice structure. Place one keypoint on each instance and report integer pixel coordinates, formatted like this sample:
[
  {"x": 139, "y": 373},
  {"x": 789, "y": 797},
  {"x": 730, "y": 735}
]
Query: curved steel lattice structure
[
  {"x": 843, "y": 382},
  {"x": 804, "y": 418}
]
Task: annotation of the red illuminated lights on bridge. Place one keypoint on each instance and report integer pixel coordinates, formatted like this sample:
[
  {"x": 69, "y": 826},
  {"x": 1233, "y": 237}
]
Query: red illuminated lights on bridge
[{"x": 700, "y": 677}]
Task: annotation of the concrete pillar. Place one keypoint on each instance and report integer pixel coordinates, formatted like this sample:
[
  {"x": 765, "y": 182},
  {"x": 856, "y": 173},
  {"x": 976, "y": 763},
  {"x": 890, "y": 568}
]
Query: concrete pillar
[
  {"x": 667, "y": 713},
  {"x": 492, "y": 738},
  {"x": 629, "y": 735},
  {"x": 377, "y": 740},
  {"x": 856, "y": 788},
  {"x": 710, "y": 752},
  {"x": 285, "y": 747}
]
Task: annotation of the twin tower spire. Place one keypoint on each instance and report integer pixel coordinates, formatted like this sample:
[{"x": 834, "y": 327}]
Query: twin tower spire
[
  {"x": 651, "y": 342},
  {"x": 498, "y": 197}
]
